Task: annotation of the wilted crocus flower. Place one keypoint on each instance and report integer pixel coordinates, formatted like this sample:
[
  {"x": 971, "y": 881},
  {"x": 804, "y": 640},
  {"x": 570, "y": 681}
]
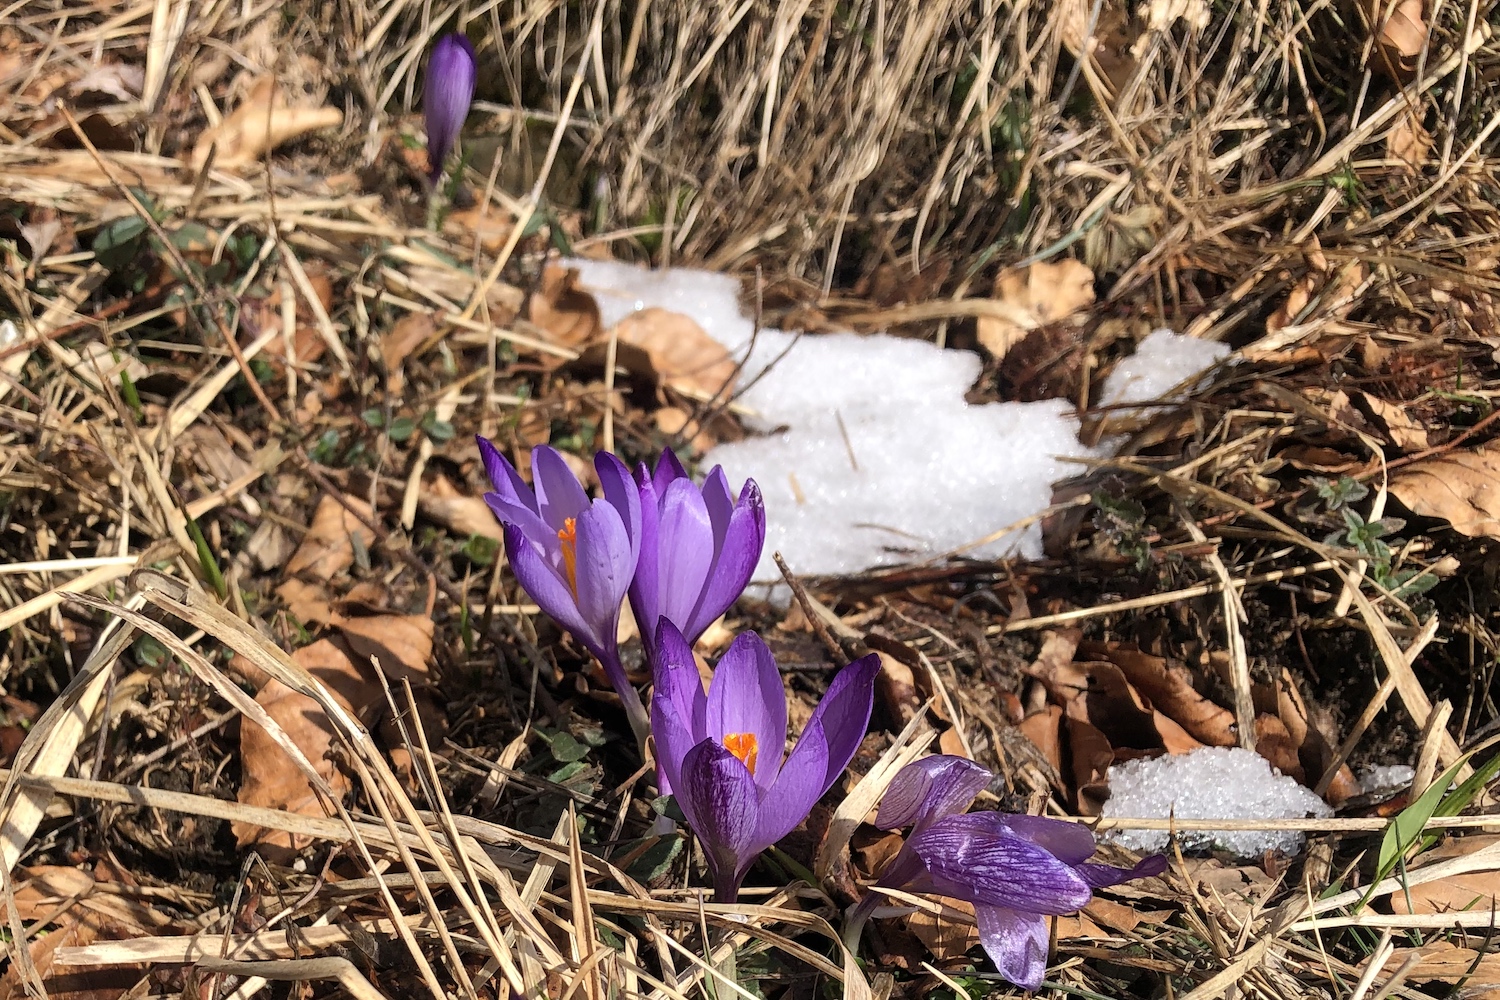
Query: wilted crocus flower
[
  {"x": 1014, "y": 869},
  {"x": 449, "y": 90},
  {"x": 720, "y": 754},
  {"x": 573, "y": 556},
  {"x": 698, "y": 547}
]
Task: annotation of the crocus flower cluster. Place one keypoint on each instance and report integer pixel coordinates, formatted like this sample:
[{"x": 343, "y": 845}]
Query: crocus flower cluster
[
  {"x": 451, "y": 72},
  {"x": 1015, "y": 869}
]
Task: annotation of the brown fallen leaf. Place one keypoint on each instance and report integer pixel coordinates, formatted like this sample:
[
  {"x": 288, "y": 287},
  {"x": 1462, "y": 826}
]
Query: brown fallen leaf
[
  {"x": 675, "y": 422},
  {"x": 1115, "y": 709},
  {"x": 263, "y": 121},
  {"x": 307, "y": 602},
  {"x": 896, "y": 690},
  {"x": 1110, "y": 45},
  {"x": 262, "y": 315},
  {"x": 1315, "y": 749},
  {"x": 564, "y": 311},
  {"x": 1043, "y": 292},
  {"x": 1275, "y": 744},
  {"x": 684, "y": 357},
  {"x": 947, "y": 938},
  {"x": 401, "y": 643},
  {"x": 1443, "y": 961},
  {"x": 269, "y": 776},
  {"x": 1054, "y": 666},
  {"x": 463, "y": 515},
  {"x": 1091, "y": 757},
  {"x": 1169, "y": 687},
  {"x": 1404, "y": 432},
  {"x": 1471, "y": 891},
  {"x": 1400, "y": 30},
  {"x": 1408, "y": 142},
  {"x": 1460, "y": 487},
  {"x": 1044, "y": 730},
  {"x": 328, "y": 547},
  {"x": 482, "y": 223},
  {"x": 409, "y": 333}
]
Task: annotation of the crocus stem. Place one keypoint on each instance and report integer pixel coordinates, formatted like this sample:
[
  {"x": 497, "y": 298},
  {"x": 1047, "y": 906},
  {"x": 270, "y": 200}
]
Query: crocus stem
[
  {"x": 854, "y": 923},
  {"x": 726, "y": 887},
  {"x": 630, "y": 698}
]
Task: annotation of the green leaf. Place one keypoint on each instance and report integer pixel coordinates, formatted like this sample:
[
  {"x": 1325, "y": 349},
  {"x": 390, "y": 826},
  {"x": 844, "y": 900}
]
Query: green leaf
[
  {"x": 207, "y": 560},
  {"x": 374, "y": 416},
  {"x": 480, "y": 550},
  {"x": 566, "y": 749},
  {"x": 401, "y": 429},
  {"x": 117, "y": 244},
  {"x": 565, "y": 773}
]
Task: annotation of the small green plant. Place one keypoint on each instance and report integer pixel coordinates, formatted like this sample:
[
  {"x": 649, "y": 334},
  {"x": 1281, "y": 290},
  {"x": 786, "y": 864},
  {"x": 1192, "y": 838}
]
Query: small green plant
[
  {"x": 1123, "y": 520},
  {"x": 1368, "y": 538}
]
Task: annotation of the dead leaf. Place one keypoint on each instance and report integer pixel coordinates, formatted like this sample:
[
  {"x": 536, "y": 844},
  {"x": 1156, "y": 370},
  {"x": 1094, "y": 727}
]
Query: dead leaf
[
  {"x": 410, "y": 332},
  {"x": 684, "y": 357},
  {"x": 675, "y": 422},
  {"x": 1408, "y": 142},
  {"x": 1092, "y": 756},
  {"x": 401, "y": 643},
  {"x": 1043, "y": 292},
  {"x": 1120, "y": 917},
  {"x": 563, "y": 310},
  {"x": 1470, "y": 891},
  {"x": 328, "y": 547},
  {"x": 482, "y": 223},
  {"x": 1169, "y": 687},
  {"x": 1054, "y": 666},
  {"x": 1443, "y": 961},
  {"x": 946, "y": 938},
  {"x": 260, "y": 316},
  {"x": 1044, "y": 730},
  {"x": 1275, "y": 744},
  {"x": 872, "y": 850},
  {"x": 896, "y": 688},
  {"x": 1400, "y": 36},
  {"x": 263, "y": 121},
  {"x": 269, "y": 776},
  {"x": 463, "y": 515},
  {"x": 1404, "y": 432},
  {"x": 1460, "y": 487},
  {"x": 1115, "y": 709},
  {"x": 307, "y": 602},
  {"x": 119, "y": 80},
  {"x": 1311, "y": 458},
  {"x": 1112, "y": 43}
]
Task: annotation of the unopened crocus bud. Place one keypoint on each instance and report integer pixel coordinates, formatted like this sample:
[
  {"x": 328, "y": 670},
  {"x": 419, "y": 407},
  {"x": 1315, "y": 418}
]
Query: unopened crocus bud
[{"x": 450, "y": 89}]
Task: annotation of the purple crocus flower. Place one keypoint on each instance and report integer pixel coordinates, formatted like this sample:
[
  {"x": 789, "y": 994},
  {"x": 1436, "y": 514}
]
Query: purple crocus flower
[
  {"x": 721, "y": 753},
  {"x": 1015, "y": 869},
  {"x": 573, "y": 556},
  {"x": 449, "y": 90},
  {"x": 698, "y": 547}
]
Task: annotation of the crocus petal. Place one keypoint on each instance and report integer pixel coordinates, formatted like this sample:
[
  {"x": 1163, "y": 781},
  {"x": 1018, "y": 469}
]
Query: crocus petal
[
  {"x": 604, "y": 568},
  {"x": 1103, "y": 876},
  {"x": 719, "y": 799},
  {"x": 685, "y": 552},
  {"x": 668, "y": 469},
  {"x": 963, "y": 856},
  {"x": 529, "y": 521},
  {"x": 1016, "y": 943},
  {"x": 673, "y": 741},
  {"x": 720, "y": 503},
  {"x": 503, "y": 476},
  {"x": 678, "y": 686},
  {"x": 844, "y": 715},
  {"x": 738, "y": 554},
  {"x": 747, "y": 697},
  {"x": 550, "y": 591},
  {"x": 448, "y": 92},
  {"x": 620, "y": 493},
  {"x": 645, "y": 598},
  {"x": 798, "y": 787},
  {"x": 1070, "y": 843},
  {"x": 558, "y": 494},
  {"x": 926, "y": 790}
]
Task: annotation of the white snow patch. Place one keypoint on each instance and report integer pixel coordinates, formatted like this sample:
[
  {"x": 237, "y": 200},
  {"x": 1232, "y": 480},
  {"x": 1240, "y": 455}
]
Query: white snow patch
[
  {"x": 1386, "y": 779},
  {"x": 871, "y": 455},
  {"x": 1161, "y": 363},
  {"x": 1210, "y": 783}
]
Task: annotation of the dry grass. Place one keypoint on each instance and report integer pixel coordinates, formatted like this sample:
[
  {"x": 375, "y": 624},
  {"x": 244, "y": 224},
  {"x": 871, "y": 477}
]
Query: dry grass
[{"x": 876, "y": 163}]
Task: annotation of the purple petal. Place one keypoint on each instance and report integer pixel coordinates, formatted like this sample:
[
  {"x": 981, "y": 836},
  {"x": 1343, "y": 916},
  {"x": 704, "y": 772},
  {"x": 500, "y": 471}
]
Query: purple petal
[
  {"x": 929, "y": 789},
  {"x": 685, "y": 553},
  {"x": 963, "y": 856},
  {"x": 746, "y": 699},
  {"x": 1104, "y": 876},
  {"x": 449, "y": 91},
  {"x": 798, "y": 787},
  {"x": 678, "y": 686},
  {"x": 621, "y": 494},
  {"x": 537, "y": 531},
  {"x": 720, "y": 503},
  {"x": 738, "y": 553},
  {"x": 668, "y": 470},
  {"x": 504, "y": 477},
  {"x": 604, "y": 569},
  {"x": 645, "y": 599},
  {"x": 673, "y": 741},
  {"x": 558, "y": 494},
  {"x": 546, "y": 586},
  {"x": 719, "y": 799},
  {"x": 1069, "y": 843},
  {"x": 844, "y": 714},
  {"x": 1015, "y": 942}
]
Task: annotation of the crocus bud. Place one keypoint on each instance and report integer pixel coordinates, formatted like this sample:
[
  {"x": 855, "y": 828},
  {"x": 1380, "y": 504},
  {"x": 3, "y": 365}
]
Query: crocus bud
[{"x": 450, "y": 89}]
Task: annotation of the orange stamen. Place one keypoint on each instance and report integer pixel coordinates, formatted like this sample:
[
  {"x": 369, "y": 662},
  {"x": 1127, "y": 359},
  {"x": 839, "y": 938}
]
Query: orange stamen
[
  {"x": 569, "y": 538},
  {"x": 745, "y": 747}
]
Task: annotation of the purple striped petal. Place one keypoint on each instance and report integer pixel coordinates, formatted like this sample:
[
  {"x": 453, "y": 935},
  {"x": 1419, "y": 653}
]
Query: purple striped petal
[
  {"x": 1070, "y": 843},
  {"x": 503, "y": 476},
  {"x": 673, "y": 741},
  {"x": 620, "y": 493},
  {"x": 1103, "y": 876},
  {"x": 685, "y": 552},
  {"x": 799, "y": 786},
  {"x": 844, "y": 717},
  {"x": 529, "y": 522},
  {"x": 1016, "y": 943},
  {"x": 448, "y": 93},
  {"x": 720, "y": 503},
  {"x": 747, "y": 707},
  {"x": 558, "y": 494},
  {"x": 645, "y": 596},
  {"x": 604, "y": 568},
  {"x": 926, "y": 790},
  {"x": 678, "y": 685},
  {"x": 963, "y": 856},
  {"x": 719, "y": 799},
  {"x": 550, "y": 591},
  {"x": 668, "y": 470},
  {"x": 738, "y": 553}
]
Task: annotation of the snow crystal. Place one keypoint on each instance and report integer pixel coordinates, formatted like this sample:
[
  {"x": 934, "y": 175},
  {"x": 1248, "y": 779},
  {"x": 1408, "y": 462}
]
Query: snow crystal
[
  {"x": 1385, "y": 779},
  {"x": 1210, "y": 783},
  {"x": 1161, "y": 363},
  {"x": 870, "y": 455}
]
